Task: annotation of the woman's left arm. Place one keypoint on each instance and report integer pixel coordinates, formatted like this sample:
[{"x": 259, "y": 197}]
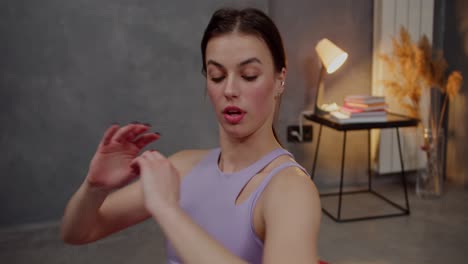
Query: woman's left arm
[
  {"x": 161, "y": 185},
  {"x": 291, "y": 212}
]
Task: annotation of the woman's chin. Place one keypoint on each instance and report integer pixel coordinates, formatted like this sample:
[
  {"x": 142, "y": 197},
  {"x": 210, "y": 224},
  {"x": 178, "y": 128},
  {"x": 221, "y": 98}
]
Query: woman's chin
[{"x": 235, "y": 132}]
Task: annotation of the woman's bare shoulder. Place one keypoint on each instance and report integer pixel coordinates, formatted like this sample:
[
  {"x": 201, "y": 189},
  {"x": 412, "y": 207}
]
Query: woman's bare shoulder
[
  {"x": 292, "y": 179},
  {"x": 185, "y": 160},
  {"x": 290, "y": 194}
]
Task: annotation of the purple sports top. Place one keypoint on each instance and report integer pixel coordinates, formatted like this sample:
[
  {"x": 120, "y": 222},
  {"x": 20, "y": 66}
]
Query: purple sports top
[{"x": 208, "y": 196}]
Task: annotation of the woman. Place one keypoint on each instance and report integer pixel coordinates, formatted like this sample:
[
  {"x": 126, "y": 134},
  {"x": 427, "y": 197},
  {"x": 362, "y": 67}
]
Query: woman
[{"x": 245, "y": 202}]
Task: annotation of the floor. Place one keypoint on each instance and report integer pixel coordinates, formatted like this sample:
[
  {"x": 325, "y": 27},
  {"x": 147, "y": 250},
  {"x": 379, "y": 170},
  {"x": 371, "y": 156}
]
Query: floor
[{"x": 435, "y": 232}]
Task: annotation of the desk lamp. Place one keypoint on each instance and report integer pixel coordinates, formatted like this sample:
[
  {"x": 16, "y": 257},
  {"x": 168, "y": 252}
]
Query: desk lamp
[{"x": 331, "y": 58}]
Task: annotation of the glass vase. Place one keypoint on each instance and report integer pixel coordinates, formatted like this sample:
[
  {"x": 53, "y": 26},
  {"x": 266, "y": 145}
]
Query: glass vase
[{"x": 430, "y": 182}]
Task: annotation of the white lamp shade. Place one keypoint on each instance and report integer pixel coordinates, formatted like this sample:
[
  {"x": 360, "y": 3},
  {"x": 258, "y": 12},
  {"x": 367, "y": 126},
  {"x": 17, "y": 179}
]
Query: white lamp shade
[{"x": 331, "y": 56}]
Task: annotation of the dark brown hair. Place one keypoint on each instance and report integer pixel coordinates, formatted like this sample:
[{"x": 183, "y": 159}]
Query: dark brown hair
[{"x": 249, "y": 21}]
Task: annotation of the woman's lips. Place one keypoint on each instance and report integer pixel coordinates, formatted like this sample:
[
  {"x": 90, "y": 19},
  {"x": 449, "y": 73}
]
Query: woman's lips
[{"x": 233, "y": 114}]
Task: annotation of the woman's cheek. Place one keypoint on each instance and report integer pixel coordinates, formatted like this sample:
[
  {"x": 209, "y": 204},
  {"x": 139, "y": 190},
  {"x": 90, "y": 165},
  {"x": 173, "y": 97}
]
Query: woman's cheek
[
  {"x": 214, "y": 97},
  {"x": 262, "y": 99}
]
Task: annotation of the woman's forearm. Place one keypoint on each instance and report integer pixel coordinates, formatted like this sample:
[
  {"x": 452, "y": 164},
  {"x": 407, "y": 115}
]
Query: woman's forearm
[
  {"x": 81, "y": 214},
  {"x": 192, "y": 243}
]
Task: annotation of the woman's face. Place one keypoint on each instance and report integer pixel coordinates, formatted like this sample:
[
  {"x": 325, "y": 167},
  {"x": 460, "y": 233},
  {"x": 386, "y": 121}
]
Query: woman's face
[{"x": 242, "y": 83}]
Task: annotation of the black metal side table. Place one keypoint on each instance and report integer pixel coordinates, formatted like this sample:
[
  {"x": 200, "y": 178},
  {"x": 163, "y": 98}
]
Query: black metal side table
[{"x": 393, "y": 121}]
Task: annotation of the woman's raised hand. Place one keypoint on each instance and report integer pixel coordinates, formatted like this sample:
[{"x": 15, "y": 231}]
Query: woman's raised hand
[
  {"x": 110, "y": 166},
  {"x": 160, "y": 181}
]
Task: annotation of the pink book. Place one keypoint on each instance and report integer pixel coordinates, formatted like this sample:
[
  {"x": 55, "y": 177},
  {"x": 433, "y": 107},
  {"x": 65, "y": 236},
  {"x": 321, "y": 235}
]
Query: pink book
[
  {"x": 354, "y": 112},
  {"x": 366, "y": 107}
]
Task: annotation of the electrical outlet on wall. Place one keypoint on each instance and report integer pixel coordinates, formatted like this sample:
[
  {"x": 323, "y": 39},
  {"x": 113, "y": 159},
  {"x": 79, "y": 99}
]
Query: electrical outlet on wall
[{"x": 294, "y": 135}]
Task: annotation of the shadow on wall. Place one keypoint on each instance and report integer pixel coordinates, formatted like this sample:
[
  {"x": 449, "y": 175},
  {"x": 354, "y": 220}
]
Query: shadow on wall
[
  {"x": 456, "y": 51},
  {"x": 462, "y": 10}
]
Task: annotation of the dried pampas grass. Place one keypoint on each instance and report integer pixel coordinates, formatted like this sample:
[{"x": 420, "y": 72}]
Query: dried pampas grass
[{"x": 414, "y": 67}]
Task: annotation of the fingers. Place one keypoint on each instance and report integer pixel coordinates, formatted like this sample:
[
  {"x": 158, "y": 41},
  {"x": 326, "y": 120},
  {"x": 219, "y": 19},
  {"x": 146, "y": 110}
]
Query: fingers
[
  {"x": 153, "y": 155},
  {"x": 147, "y": 156},
  {"x": 157, "y": 155},
  {"x": 129, "y": 132},
  {"x": 135, "y": 169},
  {"x": 139, "y": 164},
  {"x": 110, "y": 132},
  {"x": 144, "y": 140}
]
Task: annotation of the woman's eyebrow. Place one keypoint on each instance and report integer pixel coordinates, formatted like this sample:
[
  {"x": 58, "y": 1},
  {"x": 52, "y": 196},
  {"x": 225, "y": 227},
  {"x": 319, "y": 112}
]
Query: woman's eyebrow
[
  {"x": 217, "y": 64},
  {"x": 243, "y": 63},
  {"x": 251, "y": 60}
]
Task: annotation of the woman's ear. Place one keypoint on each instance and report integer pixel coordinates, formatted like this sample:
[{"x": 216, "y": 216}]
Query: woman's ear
[{"x": 282, "y": 80}]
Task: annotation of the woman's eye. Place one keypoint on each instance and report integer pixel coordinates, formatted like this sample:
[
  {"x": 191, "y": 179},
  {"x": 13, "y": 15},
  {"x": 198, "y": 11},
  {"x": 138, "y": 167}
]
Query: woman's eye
[
  {"x": 250, "y": 78},
  {"x": 217, "y": 79}
]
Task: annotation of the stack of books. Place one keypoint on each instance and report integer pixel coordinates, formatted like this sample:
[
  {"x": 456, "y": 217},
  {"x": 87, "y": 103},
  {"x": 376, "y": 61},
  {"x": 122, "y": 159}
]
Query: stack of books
[{"x": 361, "y": 109}]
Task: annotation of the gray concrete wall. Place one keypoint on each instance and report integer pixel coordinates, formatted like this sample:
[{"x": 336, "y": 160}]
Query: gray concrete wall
[
  {"x": 68, "y": 69},
  {"x": 349, "y": 25}
]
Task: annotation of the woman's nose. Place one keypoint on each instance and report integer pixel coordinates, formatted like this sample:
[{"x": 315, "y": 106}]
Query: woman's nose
[{"x": 231, "y": 88}]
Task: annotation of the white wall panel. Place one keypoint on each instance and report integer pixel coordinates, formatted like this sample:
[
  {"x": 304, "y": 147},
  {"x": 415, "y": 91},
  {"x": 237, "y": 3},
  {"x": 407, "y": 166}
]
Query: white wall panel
[{"x": 389, "y": 15}]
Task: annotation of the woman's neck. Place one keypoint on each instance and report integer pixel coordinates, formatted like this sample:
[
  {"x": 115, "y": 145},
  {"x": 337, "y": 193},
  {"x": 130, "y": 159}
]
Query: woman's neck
[{"x": 237, "y": 154}]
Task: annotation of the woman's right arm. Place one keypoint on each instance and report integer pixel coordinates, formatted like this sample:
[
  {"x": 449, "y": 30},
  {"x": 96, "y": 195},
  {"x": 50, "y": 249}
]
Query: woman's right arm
[
  {"x": 102, "y": 205},
  {"x": 92, "y": 214}
]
